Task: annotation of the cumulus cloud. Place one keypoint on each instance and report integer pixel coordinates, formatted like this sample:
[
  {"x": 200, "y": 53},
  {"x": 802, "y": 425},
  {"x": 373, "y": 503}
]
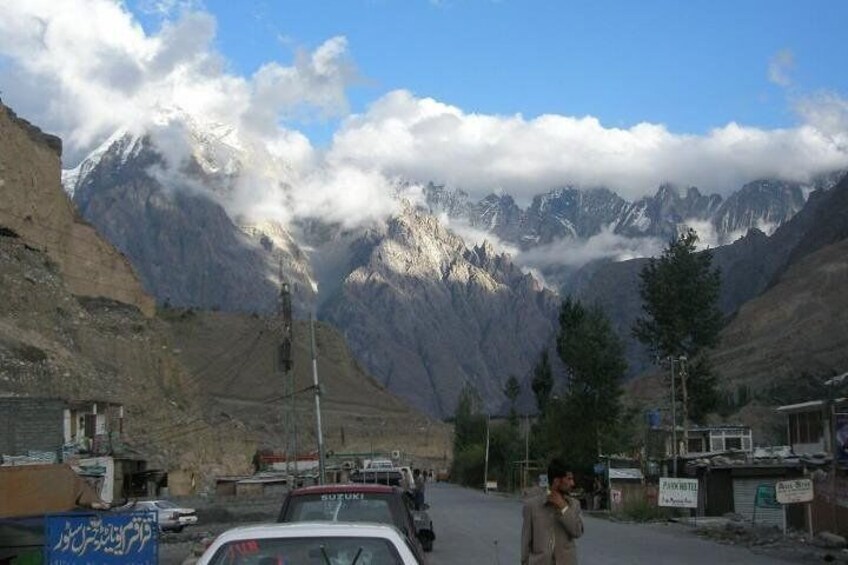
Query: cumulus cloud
[
  {"x": 104, "y": 71},
  {"x": 91, "y": 68},
  {"x": 421, "y": 138},
  {"x": 780, "y": 67}
]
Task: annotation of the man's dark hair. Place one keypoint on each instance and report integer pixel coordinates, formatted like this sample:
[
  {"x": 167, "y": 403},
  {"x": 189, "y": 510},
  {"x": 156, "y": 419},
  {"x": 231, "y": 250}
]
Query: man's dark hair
[{"x": 557, "y": 468}]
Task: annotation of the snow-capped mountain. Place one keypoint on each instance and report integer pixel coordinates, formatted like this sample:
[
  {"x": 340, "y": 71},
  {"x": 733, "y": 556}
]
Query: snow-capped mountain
[
  {"x": 174, "y": 229},
  {"x": 579, "y": 214},
  {"x": 425, "y": 311}
]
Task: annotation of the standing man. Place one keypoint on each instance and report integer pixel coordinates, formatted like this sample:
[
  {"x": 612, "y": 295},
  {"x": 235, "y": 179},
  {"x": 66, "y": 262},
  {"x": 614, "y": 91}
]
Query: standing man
[
  {"x": 552, "y": 522},
  {"x": 419, "y": 480}
]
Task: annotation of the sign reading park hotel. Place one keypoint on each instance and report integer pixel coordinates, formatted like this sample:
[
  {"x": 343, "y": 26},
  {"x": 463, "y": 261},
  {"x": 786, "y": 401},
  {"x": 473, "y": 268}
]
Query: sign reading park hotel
[{"x": 678, "y": 493}]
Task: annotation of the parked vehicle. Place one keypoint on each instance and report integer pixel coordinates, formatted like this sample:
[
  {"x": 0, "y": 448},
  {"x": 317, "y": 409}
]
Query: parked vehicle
[
  {"x": 382, "y": 476},
  {"x": 360, "y": 503},
  {"x": 172, "y": 518},
  {"x": 311, "y": 542},
  {"x": 379, "y": 464}
]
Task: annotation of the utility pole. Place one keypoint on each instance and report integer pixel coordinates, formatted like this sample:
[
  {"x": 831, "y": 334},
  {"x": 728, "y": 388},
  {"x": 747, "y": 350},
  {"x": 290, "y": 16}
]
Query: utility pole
[
  {"x": 526, "y": 465},
  {"x": 285, "y": 364},
  {"x": 486, "y": 464},
  {"x": 317, "y": 403},
  {"x": 673, "y": 418},
  {"x": 683, "y": 374}
]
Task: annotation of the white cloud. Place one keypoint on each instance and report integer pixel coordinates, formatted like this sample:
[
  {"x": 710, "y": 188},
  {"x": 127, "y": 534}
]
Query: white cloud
[
  {"x": 90, "y": 68},
  {"x": 423, "y": 139},
  {"x": 473, "y": 236},
  {"x": 826, "y": 112},
  {"x": 577, "y": 252},
  {"x": 780, "y": 68}
]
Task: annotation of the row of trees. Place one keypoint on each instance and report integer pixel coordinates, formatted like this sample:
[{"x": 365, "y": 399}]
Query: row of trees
[{"x": 680, "y": 319}]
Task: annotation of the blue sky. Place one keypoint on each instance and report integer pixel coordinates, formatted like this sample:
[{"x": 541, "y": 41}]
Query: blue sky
[
  {"x": 692, "y": 66},
  {"x": 340, "y": 99}
]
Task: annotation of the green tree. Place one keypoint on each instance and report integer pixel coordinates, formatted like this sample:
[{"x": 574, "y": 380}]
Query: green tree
[
  {"x": 469, "y": 423},
  {"x": 680, "y": 292},
  {"x": 594, "y": 359},
  {"x": 511, "y": 390},
  {"x": 543, "y": 381}
]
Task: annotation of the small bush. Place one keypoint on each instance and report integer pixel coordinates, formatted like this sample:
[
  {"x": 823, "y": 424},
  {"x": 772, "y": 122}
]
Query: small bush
[{"x": 643, "y": 511}]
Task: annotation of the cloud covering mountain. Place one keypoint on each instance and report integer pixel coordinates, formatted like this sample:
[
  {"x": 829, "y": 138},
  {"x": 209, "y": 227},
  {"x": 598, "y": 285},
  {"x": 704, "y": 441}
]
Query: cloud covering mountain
[{"x": 91, "y": 68}]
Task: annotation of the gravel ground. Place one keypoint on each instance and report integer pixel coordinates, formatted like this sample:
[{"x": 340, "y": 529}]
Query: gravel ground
[
  {"x": 213, "y": 517},
  {"x": 796, "y": 546}
]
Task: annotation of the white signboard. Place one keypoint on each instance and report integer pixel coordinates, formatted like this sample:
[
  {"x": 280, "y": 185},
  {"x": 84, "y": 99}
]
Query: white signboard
[
  {"x": 797, "y": 490},
  {"x": 678, "y": 493}
]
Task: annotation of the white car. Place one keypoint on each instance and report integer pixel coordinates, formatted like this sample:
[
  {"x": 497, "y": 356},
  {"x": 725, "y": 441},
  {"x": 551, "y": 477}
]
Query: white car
[
  {"x": 171, "y": 517},
  {"x": 305, "y": 543}
]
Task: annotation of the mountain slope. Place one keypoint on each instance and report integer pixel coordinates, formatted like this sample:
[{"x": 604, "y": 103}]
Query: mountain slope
[
  {"x": 186, "y": 249},
  {"x": 427, "y": 315},
  {"x": 192, "y": 383}
]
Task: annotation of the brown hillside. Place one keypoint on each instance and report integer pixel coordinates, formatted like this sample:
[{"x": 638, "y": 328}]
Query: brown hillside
[
  {"x": 800, "y": 325},
  {"x": 34, "y": 206},
  {"x": 232, "y": 359},
  {"x": 797, "y": 327}
]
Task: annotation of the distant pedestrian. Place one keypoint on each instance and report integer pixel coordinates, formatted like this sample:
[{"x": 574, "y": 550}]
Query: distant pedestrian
[
  {"x": 552, "y": 522},
  {"x": 406, "y": 480},
  {"x": 419, "y": 480}
]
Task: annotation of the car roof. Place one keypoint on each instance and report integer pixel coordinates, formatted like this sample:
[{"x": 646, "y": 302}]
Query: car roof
[
  {"x": 311, "y": 530},
  {"x": 347, "y": 487},
  {"x": 308, "y": 530}
]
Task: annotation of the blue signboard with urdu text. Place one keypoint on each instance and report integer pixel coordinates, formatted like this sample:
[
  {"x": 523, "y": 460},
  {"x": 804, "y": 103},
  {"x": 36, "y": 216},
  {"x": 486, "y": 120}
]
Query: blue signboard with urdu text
[{"x": 97, "y": 538}]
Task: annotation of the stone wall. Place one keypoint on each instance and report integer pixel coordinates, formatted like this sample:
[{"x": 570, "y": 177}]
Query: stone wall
[
  {"x": 34, "y": 206},
  {"x": 30, "y": 424}
]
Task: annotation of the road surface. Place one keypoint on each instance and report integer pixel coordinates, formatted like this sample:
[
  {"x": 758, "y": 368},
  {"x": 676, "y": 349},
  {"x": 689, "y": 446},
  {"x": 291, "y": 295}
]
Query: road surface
[{"x": 472, "y": 527}]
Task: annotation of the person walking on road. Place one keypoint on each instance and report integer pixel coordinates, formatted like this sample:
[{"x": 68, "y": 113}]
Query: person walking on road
[{"x": 552, "y": 521}]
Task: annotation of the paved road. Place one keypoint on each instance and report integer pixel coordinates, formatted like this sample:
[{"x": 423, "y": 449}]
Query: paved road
[{"x": 472, "y": 527}]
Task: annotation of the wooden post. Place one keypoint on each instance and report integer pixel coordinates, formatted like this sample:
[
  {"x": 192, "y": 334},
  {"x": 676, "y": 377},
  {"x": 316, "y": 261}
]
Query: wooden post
[{"x": 810, "y": 518}]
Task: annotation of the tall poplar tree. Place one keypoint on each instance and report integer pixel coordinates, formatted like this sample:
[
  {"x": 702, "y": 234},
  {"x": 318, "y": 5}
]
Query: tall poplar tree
[
  {"x": 594, "y": 359},
  {"x": 680, "y": 292}
]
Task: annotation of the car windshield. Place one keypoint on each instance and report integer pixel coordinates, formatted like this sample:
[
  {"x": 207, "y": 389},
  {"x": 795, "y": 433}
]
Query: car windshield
[
  {"x": 164, "y": 504},
  {"x": 340, "y": 507},
  {"x": 308, "y": 551}
]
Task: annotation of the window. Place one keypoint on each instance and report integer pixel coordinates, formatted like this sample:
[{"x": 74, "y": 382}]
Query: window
[
  {"x": 805, "y": 427},
  {"x": 696, "y": 445},
  {"x": 90, "y": 425},
  {"x": 733, "y": 443}
]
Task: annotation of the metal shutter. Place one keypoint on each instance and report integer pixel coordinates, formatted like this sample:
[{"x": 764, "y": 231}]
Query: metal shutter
[{"x": 744, "y": 491}]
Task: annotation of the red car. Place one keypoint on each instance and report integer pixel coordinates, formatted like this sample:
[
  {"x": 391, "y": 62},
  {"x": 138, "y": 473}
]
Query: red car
[{"x": 360, "y": 503}]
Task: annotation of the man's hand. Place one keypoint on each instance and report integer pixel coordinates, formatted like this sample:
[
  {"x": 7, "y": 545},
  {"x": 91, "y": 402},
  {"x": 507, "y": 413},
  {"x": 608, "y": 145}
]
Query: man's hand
[{"x": 555, "y": 497}]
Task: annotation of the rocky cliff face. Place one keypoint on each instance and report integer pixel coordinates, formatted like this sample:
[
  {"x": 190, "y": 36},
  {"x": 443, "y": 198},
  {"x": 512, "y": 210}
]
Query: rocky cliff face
[
  {"x": 187, "y": 250},
  {"x": 33, "y": 206},
  {"x": 427, "y": 315}
]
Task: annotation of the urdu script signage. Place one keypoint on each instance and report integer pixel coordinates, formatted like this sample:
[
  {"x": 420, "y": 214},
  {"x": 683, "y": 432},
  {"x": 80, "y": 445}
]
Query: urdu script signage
[{"x": 103, "y": 538}]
